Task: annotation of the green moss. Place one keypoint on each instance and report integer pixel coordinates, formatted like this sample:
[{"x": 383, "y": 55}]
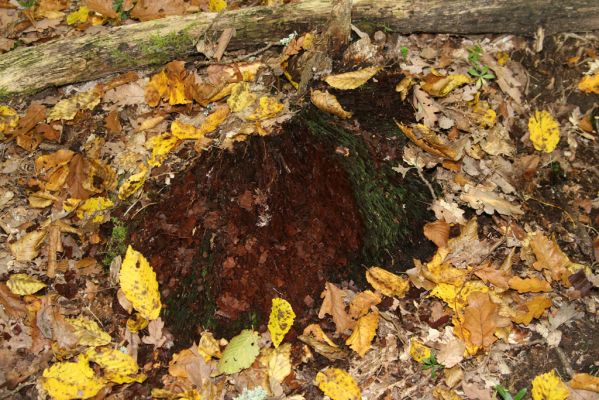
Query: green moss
[
  {"x": 4, "y": 94},
  {"x": 117, "y": 242},
  {"x": 161, "y": 49},
  {"x": 387, "y": 206}
]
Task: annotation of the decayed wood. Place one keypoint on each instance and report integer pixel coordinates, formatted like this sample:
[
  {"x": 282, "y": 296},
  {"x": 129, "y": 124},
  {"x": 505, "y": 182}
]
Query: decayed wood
[{"x": 68, "y": 60}]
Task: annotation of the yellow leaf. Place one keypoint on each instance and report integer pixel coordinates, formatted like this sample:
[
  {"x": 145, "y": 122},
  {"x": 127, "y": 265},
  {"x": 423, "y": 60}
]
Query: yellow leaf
[
  {"x": 532, "y": 308},
  {"x": 88, "y": 332},
  {"x": 387, "y": 282},
  {"x": 217, "y": 5},
  {"x": 589, "y": 83},
  {"x": 24, "y": 284},
  {"x": 78, "y": 17},
  {"x": 338, "y": 384},
  {"x": 241, "y": 97},
  {"x": 71, "y": 380},
  {"x": 585, "y": 382},
  {"x": 168, "y": 85},
  {"x": 502, "y": 57},
  {"x": 456, "y": 297},
  {"x": 268, "y": 108},
  {"x": 208, "y": 346},
  {"x": 334, "y": 305},
  {"x": 316, "y": 331},
  {"x": 361, "y": 303},
  {"x": 213, "y": 120},
  {"x": 550, "y": 257},
  {"x": 549, "y": 387},
  {"x": 118, "y": 367},
  {"x": 418, "y": 351},
  {"x": 92, "y": 208},
  {"x": 138, "y": 282},
  {"x": 530, "y": 285},
  {"x": 487, "y": 120},
  {"x": 445, "y": 394},
  {"x": 8, "y": 119},
  {"x": 327, "y": 102},
  {"x": 279, "y": 362},
  {"x": 183, "y": 131},
  {"x": 544, "y": 131},
  {"x": 133, "y": 183},
  {"x": 280, "y": 320},
  {"x": 161, "y": 145},
  {"x": 27, "y": 247},
  {"x": 353, "y": 79},
  {"x": 363, "y": 333},
  {"x": 136, "y": 323},
  {"x": 67, "y": 109},
  {"x": 440, "y": 86}
]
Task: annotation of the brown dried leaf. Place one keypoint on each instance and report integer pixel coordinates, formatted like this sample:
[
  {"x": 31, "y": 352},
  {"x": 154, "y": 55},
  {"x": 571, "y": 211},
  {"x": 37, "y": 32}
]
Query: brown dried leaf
[
  {"x": 437, "y": 232},
  {"x": 532, "y": 308},
  {"x": 361, "y": 303},
  {"x": 327, "y": 102},
  {"x": 146, "y": 10},
  {"x": 497, "y": 277},
  {"x": 481, "y": 319},
  {"x": 333, "y": 304},
  {"x": 530, "y": 285},
  {"x": 550, "y": 257},
  {"x": 12, "y": 304},
  {"x": 103, "y": 7},
  {"x": 27, "y": 247}
]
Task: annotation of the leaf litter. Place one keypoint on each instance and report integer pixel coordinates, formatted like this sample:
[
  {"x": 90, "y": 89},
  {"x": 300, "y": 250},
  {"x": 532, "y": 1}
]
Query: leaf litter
[{"x": 512, "y": 280}]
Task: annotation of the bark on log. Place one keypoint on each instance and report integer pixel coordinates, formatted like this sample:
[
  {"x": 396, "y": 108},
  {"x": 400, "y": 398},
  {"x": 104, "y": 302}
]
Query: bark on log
[{"x": 68, "y": 60}]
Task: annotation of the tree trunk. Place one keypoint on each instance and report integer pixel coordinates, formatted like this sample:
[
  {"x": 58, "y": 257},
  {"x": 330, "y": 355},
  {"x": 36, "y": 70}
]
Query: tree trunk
[{"x": 68, "y": 60}]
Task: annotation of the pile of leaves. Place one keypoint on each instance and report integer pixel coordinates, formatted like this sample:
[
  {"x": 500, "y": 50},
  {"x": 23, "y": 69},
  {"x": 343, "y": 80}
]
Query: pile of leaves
[{"x": 493, "y": 285}]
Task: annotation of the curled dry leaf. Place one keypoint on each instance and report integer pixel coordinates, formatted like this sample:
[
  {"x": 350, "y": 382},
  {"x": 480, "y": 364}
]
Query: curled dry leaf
[
  {"x": 387, "y": 282},
  {"x": 334, "y": 305},
  {"x": 429, "y": 141},
  {"x": 481, "y": 199},
  {"x": 353, "y": 79},
  {"x": 530, "y": 285},
  {"x": 437, "y": 232},
  {"x": 440, "y": 86},
  {"x": 327, "y": 102},
  {"x": 27, "y": 247}
]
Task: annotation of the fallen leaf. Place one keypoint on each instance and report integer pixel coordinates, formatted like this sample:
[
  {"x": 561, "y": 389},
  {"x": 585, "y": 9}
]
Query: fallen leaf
[
  {"x": 155, "y": 335},
  {"x": 317, "y": 332},
  {"x": 78, "y": 16},
  {"x": 241, "y": 97},
  {"x": 549, "y": 386},
  {"x": 8, "y": 119},
  {"x": 161, "y": 145},
  {"x": 268, "y": 107},
  {"x": 481, "y": 199},
  {"x": 451, "y": 353},
  {"x": 338, "y": 384},
  {"x": 437, "y": 232},
  {"x": 208, "y": 346},
  {"x": 353, "y": 79},
  {"x": 363, "y": 333},
  {"x": 23, "y": 284},
  {"x": 418, "y": 351},
  {"x": 67, "y": 109},
  {"x": 426, "y": 108},
  {"x": 217, "y": 5},
  {"x": 550, "y": 257},
  {"x": 27, "y": 247},
  {"x": 585, "y": 382},
  {"x": 387, "y": 282},
  {"x": 146, "y": 10},
  {"x": 279, "y": 362},
  {"x": 189, "y": 364},
  {"x": 589, "y": 83},
  {"x": 12, "y": 304},
  {"x": 529, "y": 285},
  {"x": 544, "y": 131},
  {"x": 88, "y": 332},
  {"x": 497, "y": 277},
  {"x": 280, "y": 320},
  {"x": 71, "y": 380},
  {"x": 138, "y": 281},
  {"x": 117, "y": 366},
  {"x": 332, "y": 353},
  {"x": 440, "y": 86},
  {"x": 168, "y": 84},
  {"x": 327, "y": 102},
  {"x": 361, "y": 303},
  {"x": 481, "y": 319},
  {"x": 333, "y": 304},
  {"x": 103, "y": 7},
  {"x": 133, "y": 183},
  {"x": 532, "y": 308},
  {"x": 429, "y": 141},
  {"x": 240, "y": 353}
]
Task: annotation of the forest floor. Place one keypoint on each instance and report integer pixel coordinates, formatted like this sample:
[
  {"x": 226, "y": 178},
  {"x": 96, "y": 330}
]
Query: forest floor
[{"x": 181, "y": 232}]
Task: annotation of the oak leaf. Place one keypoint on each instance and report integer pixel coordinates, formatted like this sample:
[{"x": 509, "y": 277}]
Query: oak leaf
[
  {"x": 550, "y": 257},
  {"x": 481, "y": 319},
  {"x": 532, "y": 308},
  {"x": 361, "y": 303},
  {"x": 334, "y": 305}
]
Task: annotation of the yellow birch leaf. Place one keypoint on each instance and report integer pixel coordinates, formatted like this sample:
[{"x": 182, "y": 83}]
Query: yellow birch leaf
[
  {"x": 589, "y": 83},
  {"x": 440, "y": 86},
  {"x": 168, "y": 84},
  {"x": 23, "y": 284},
  {"x": 71, "y": 380},
  {"x": 387, "y": 282},
  {"x": 418, "y": 351},
  {"x": 136, "y": 323},
  {"x": 8, "y": 119},
  {"x": 316, "y": 331},
  {"x": 531, "y": 309},
  {"x": 118, "y": 367},
  {"x": 268, "y": 108},
  {"x": 549, "y": 386},
  {"x": 585, "y": 382},
  {"x": 241, "y": 97},
  {"x": 78, "y": 17},
  {"x": 161, "y": 145},
  {"x": 92, "y": 208},
  {"x": 280, "y": 320},
  {"x": 488, "y": 119},
  {"x": 138, "y": 282},
  {"x": 88, "y": 332},
  {"x": 217, "y": 5},
  {"x": 208, "y": 346},
  {"x": 27, "y": 247},
  {"x": 352, "y": 79},
  {"x": 530, "y": 285},
  {"x": 133, "y": 183},
  {"x": 338, "y": 384},
  {"x": 66, "y": 109},
  {"x": 183, "y": 131},
  {"x": 327, "y": 102},
  {"x": 279, "y": 362},
  {"x": 213, "y": 120},
  {"x": 544, "y": 131},
  {"x": 363, "y": 333}
]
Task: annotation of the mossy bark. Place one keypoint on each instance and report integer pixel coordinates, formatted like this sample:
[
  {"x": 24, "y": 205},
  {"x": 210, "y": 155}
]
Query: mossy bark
[{"x": 68, "y": 60}]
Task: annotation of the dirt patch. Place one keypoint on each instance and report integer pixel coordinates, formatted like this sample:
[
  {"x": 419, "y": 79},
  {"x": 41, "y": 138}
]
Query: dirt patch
[{"x": 273, "y": 218}]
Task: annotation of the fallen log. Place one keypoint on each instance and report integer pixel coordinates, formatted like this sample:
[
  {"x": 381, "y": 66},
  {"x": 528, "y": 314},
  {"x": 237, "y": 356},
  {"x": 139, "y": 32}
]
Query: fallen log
[{"x": 68, "y": 60}]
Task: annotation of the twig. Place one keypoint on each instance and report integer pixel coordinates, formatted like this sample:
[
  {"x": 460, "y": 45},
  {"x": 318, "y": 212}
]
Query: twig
[
  {"x": 563, "y": 358},
  {"x": 430, "y": 187}
]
